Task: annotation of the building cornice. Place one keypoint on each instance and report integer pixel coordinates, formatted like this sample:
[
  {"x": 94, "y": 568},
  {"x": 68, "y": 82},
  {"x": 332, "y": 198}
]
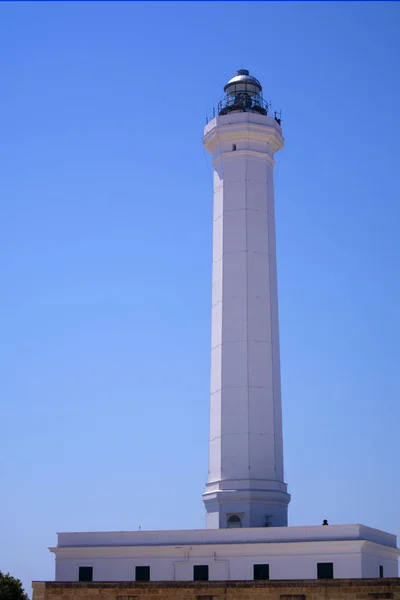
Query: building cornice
[{"x": 217, "y": 550}]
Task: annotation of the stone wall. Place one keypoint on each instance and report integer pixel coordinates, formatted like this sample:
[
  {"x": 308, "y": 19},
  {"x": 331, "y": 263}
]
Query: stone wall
[{"x": 335, "y": 589}]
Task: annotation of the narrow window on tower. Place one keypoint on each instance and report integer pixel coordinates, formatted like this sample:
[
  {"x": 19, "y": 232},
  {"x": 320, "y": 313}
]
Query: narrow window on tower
[
  {"x": 85, "y": 573},
  {"x": 325, "y": 570},
  {"x": 381, "y": 571},
  {"x": 260, "y": 572},
  {"x": 200, "y": 573},
  {"x": 142, "y": 573},
  {"x": 233, "y": 147},
  {"x": 234, "y": 521}
]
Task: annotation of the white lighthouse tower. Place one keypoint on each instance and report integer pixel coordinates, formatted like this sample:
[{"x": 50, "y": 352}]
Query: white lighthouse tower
[
  {"x": 246, "y": 486},
  {"x": 245, "y": 483}
]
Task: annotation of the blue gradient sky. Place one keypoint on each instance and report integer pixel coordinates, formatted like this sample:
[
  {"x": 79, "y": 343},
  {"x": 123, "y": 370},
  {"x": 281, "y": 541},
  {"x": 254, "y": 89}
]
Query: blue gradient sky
[{"x": 105, "y": 246}]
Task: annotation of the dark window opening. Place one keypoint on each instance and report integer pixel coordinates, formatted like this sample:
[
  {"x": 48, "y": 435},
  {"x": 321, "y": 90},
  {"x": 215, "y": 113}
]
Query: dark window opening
[
  {"x": 325, "y": 570},
  {"x": 142, "y": 573},
  {"x": 200, "y": 573},
  {"x": 260, "y": 572},
  {"x": 233, "y": 147},
  {"x": 85, "y": 573},
  {"x": 381, "y": 571},
  {"x": 234, "y": 521}
]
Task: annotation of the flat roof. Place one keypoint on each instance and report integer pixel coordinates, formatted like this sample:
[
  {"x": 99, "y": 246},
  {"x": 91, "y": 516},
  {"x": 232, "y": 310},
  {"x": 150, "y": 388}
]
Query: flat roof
[{"x": 320, "y": 533}]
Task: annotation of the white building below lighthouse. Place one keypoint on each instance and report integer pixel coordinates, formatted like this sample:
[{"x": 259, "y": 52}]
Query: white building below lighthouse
[
  {"x": 246, "y": 499},
  {"x": 324, "y": 552}
]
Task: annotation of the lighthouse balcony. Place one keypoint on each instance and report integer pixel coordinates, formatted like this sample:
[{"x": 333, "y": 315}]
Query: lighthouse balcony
[{"x": 243, "y": 103}]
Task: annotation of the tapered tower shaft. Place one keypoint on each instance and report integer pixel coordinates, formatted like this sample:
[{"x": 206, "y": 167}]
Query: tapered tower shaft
[{"x": 246, "y": 482}]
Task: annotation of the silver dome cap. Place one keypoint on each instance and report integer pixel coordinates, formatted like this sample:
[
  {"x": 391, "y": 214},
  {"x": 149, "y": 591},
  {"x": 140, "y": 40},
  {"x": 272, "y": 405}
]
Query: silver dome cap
[{"x": 243, "y": 77}]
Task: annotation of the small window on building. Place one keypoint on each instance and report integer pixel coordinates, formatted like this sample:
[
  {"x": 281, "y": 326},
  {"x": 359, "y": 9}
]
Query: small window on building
[
  {"x": 233, "y": 147},
  {"x": 85, "y": 573},
  {"x": 260, "y": 572},
  {"x": 200, "y": 573},
  {"x": 325, "y": 570},
  {"x": 234, "y": 521},
  {"x": 142, "y": 573},
  {"x": 381, "y": 571}
]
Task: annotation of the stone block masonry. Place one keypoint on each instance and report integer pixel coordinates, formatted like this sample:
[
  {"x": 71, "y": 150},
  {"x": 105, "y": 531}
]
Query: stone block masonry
[{"x": 339, "y": 589}]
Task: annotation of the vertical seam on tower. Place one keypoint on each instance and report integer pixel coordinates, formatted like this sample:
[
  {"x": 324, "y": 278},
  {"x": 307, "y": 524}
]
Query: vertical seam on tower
[
  {"x": 247, "y": 316},
  {"x": 272, "y": 216},
  {"x": 222, "y": 304}
]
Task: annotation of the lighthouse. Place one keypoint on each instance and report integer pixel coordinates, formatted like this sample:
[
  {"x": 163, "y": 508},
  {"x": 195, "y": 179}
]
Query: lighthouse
[
  {"x": 246, "y": 485},
  {"x": 246, "y": 499}
]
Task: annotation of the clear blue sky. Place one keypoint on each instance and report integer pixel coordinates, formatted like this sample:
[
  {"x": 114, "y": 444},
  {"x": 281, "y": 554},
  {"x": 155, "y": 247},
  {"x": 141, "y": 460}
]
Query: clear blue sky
[{"x": 105, "y": 245}]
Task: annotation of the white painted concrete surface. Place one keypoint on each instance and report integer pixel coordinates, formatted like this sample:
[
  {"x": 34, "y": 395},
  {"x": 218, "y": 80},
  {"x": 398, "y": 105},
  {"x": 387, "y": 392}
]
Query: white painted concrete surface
[
  {"x": 246, "y": 448},
  {"x": 291, "y": 552}
]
